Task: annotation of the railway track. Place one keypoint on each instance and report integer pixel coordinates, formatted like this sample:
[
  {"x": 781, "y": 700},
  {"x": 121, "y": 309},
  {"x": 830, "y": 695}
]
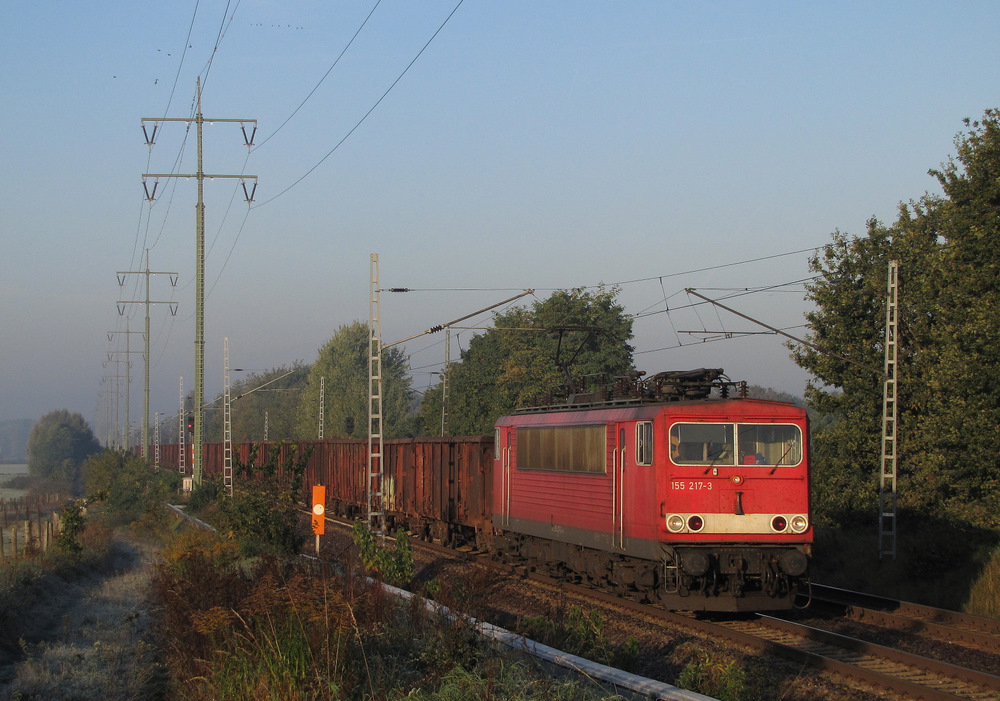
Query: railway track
[
  {"x": 907, "y": 674},
  {"x": 940, "y": 624}
]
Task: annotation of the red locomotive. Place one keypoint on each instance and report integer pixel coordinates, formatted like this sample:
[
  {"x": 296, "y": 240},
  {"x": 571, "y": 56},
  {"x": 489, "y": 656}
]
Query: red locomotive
[
  {"x": 649, "y": 488},
  {"x": 661, "y": 493}
]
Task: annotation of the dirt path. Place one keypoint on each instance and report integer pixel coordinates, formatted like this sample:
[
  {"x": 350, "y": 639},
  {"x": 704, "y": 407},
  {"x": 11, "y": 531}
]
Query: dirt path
[{"x": 84, "y": 639}]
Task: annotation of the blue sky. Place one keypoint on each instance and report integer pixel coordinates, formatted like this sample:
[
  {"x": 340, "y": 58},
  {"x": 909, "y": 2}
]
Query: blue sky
[{"x": 542, "y": 145}]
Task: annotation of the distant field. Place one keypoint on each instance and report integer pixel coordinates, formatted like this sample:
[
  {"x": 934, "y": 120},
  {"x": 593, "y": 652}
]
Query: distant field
[{"x": 6, "y": 472}]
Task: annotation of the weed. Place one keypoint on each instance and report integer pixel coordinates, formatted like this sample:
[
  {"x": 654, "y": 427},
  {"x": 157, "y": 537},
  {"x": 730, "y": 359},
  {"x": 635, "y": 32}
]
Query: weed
[
  {"x": 393, "y": 566},
  {"x": 722, "y": 678}
]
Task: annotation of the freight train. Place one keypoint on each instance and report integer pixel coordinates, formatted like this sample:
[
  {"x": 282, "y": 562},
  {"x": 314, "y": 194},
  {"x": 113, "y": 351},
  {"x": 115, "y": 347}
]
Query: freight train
[{"x": 664, "y": 489}]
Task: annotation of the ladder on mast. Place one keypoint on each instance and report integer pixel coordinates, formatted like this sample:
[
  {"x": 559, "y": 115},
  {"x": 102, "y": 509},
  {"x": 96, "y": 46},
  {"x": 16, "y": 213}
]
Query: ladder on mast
[
  {"x": 376, "y": 487},
  {"x": 887, "y": 488},
  {"x": 227, "y": 465}
]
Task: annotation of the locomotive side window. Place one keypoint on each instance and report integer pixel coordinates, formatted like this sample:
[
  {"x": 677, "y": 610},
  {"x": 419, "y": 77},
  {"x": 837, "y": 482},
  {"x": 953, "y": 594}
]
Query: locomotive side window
[
  {"x": 563, "y": 448},
  {"x": 755, "y": 444},
  {"x": 496, "y": 444},
  {"x": 644, "y": 443}
]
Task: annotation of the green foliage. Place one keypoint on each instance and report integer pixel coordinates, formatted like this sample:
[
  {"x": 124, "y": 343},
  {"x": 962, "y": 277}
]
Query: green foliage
[
  {"x": 393, "y": 566},
  {"x": 263, "y": 514},
  {"x": 128, "y": 487},
  {"x": 948, "y": 375},
  {"x": 342, "y": 366},
  {"x": 528, "y": 353},
  {"x": 713, "y": 676},
  {"x": 58, "y": 445}
]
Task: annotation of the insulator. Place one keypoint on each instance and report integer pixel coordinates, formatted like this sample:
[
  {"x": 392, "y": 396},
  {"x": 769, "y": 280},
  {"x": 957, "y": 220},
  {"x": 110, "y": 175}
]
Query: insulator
[{"x": 249, "y": 139}]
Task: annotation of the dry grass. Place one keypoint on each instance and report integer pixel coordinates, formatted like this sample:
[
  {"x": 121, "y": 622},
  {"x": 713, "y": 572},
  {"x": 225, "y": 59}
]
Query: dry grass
[
  {"x": 89, "y": 636},
  {"x": 984, "y": 596}
]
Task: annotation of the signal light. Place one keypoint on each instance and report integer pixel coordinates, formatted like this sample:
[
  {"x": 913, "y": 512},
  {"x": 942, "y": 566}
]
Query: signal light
[{"x": 190, "y": 423}]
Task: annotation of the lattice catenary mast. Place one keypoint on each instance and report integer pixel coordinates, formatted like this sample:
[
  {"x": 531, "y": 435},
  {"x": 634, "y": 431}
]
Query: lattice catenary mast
[{"x": 887, "y": 486}]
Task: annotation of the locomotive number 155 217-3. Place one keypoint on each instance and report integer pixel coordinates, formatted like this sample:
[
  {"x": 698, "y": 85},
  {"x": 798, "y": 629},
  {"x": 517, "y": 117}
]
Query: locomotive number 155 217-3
[{"x": 688, "y": 485}]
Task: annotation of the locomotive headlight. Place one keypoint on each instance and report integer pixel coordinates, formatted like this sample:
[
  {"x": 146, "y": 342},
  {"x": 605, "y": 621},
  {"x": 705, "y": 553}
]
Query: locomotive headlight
[
  {"x": 675, "y": 523},
  {"x": 696, "y": 523},
  {"x": 779, "y": 524},
  {"x": 799, "y": 523}
]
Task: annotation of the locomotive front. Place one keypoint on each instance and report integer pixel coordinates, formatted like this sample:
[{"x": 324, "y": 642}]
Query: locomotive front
[{"x": 734, "y": 498}]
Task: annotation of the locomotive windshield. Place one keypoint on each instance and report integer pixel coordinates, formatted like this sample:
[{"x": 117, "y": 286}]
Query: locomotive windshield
[{"x": 732, "y": 444}]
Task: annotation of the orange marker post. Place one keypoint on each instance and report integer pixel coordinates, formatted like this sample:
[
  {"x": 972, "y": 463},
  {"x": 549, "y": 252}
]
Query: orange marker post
[{"x": 318, "y": 512}]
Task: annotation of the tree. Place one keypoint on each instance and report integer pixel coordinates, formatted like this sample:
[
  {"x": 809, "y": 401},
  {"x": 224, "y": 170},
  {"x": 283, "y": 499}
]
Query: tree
[
  {"x": 530, "y": 352},
  {"x": 949, "y": 365},
  {"x": 343, "y": 367},
  {"x": 58, "y": 445}
]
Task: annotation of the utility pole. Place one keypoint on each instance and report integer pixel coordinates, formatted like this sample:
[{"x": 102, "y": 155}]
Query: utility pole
[
  {"x": 199, "y": 303},
  {"x": 122, "y": 275}
]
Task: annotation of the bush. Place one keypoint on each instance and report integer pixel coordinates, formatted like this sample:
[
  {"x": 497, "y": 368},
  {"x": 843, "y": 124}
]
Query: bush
[
  {"x": 262, "y": 514},
  {"x": 131, "y": 490}
]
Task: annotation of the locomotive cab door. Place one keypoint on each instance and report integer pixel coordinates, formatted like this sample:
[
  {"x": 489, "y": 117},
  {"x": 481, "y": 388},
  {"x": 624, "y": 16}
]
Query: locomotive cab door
[
  {"x": 504, "y": 446},
  {"x": 618, "y": 465}
]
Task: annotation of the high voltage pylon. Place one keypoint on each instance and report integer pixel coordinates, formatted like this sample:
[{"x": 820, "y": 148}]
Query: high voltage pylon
[
  {"x": 122, "y": 275},
  {"x": 128, "y": 376},
  {"x": 199, "y": 303}
]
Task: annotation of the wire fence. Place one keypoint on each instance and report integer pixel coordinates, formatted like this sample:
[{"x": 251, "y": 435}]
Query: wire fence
[{"x": 28, "y": 525}]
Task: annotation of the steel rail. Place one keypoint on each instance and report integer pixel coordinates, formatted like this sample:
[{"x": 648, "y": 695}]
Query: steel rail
[{"x": 941, "y": 624}]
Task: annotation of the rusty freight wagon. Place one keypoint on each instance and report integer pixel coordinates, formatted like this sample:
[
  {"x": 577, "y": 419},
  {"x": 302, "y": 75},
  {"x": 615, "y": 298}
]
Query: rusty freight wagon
[{"x": 436, "y": 487}]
